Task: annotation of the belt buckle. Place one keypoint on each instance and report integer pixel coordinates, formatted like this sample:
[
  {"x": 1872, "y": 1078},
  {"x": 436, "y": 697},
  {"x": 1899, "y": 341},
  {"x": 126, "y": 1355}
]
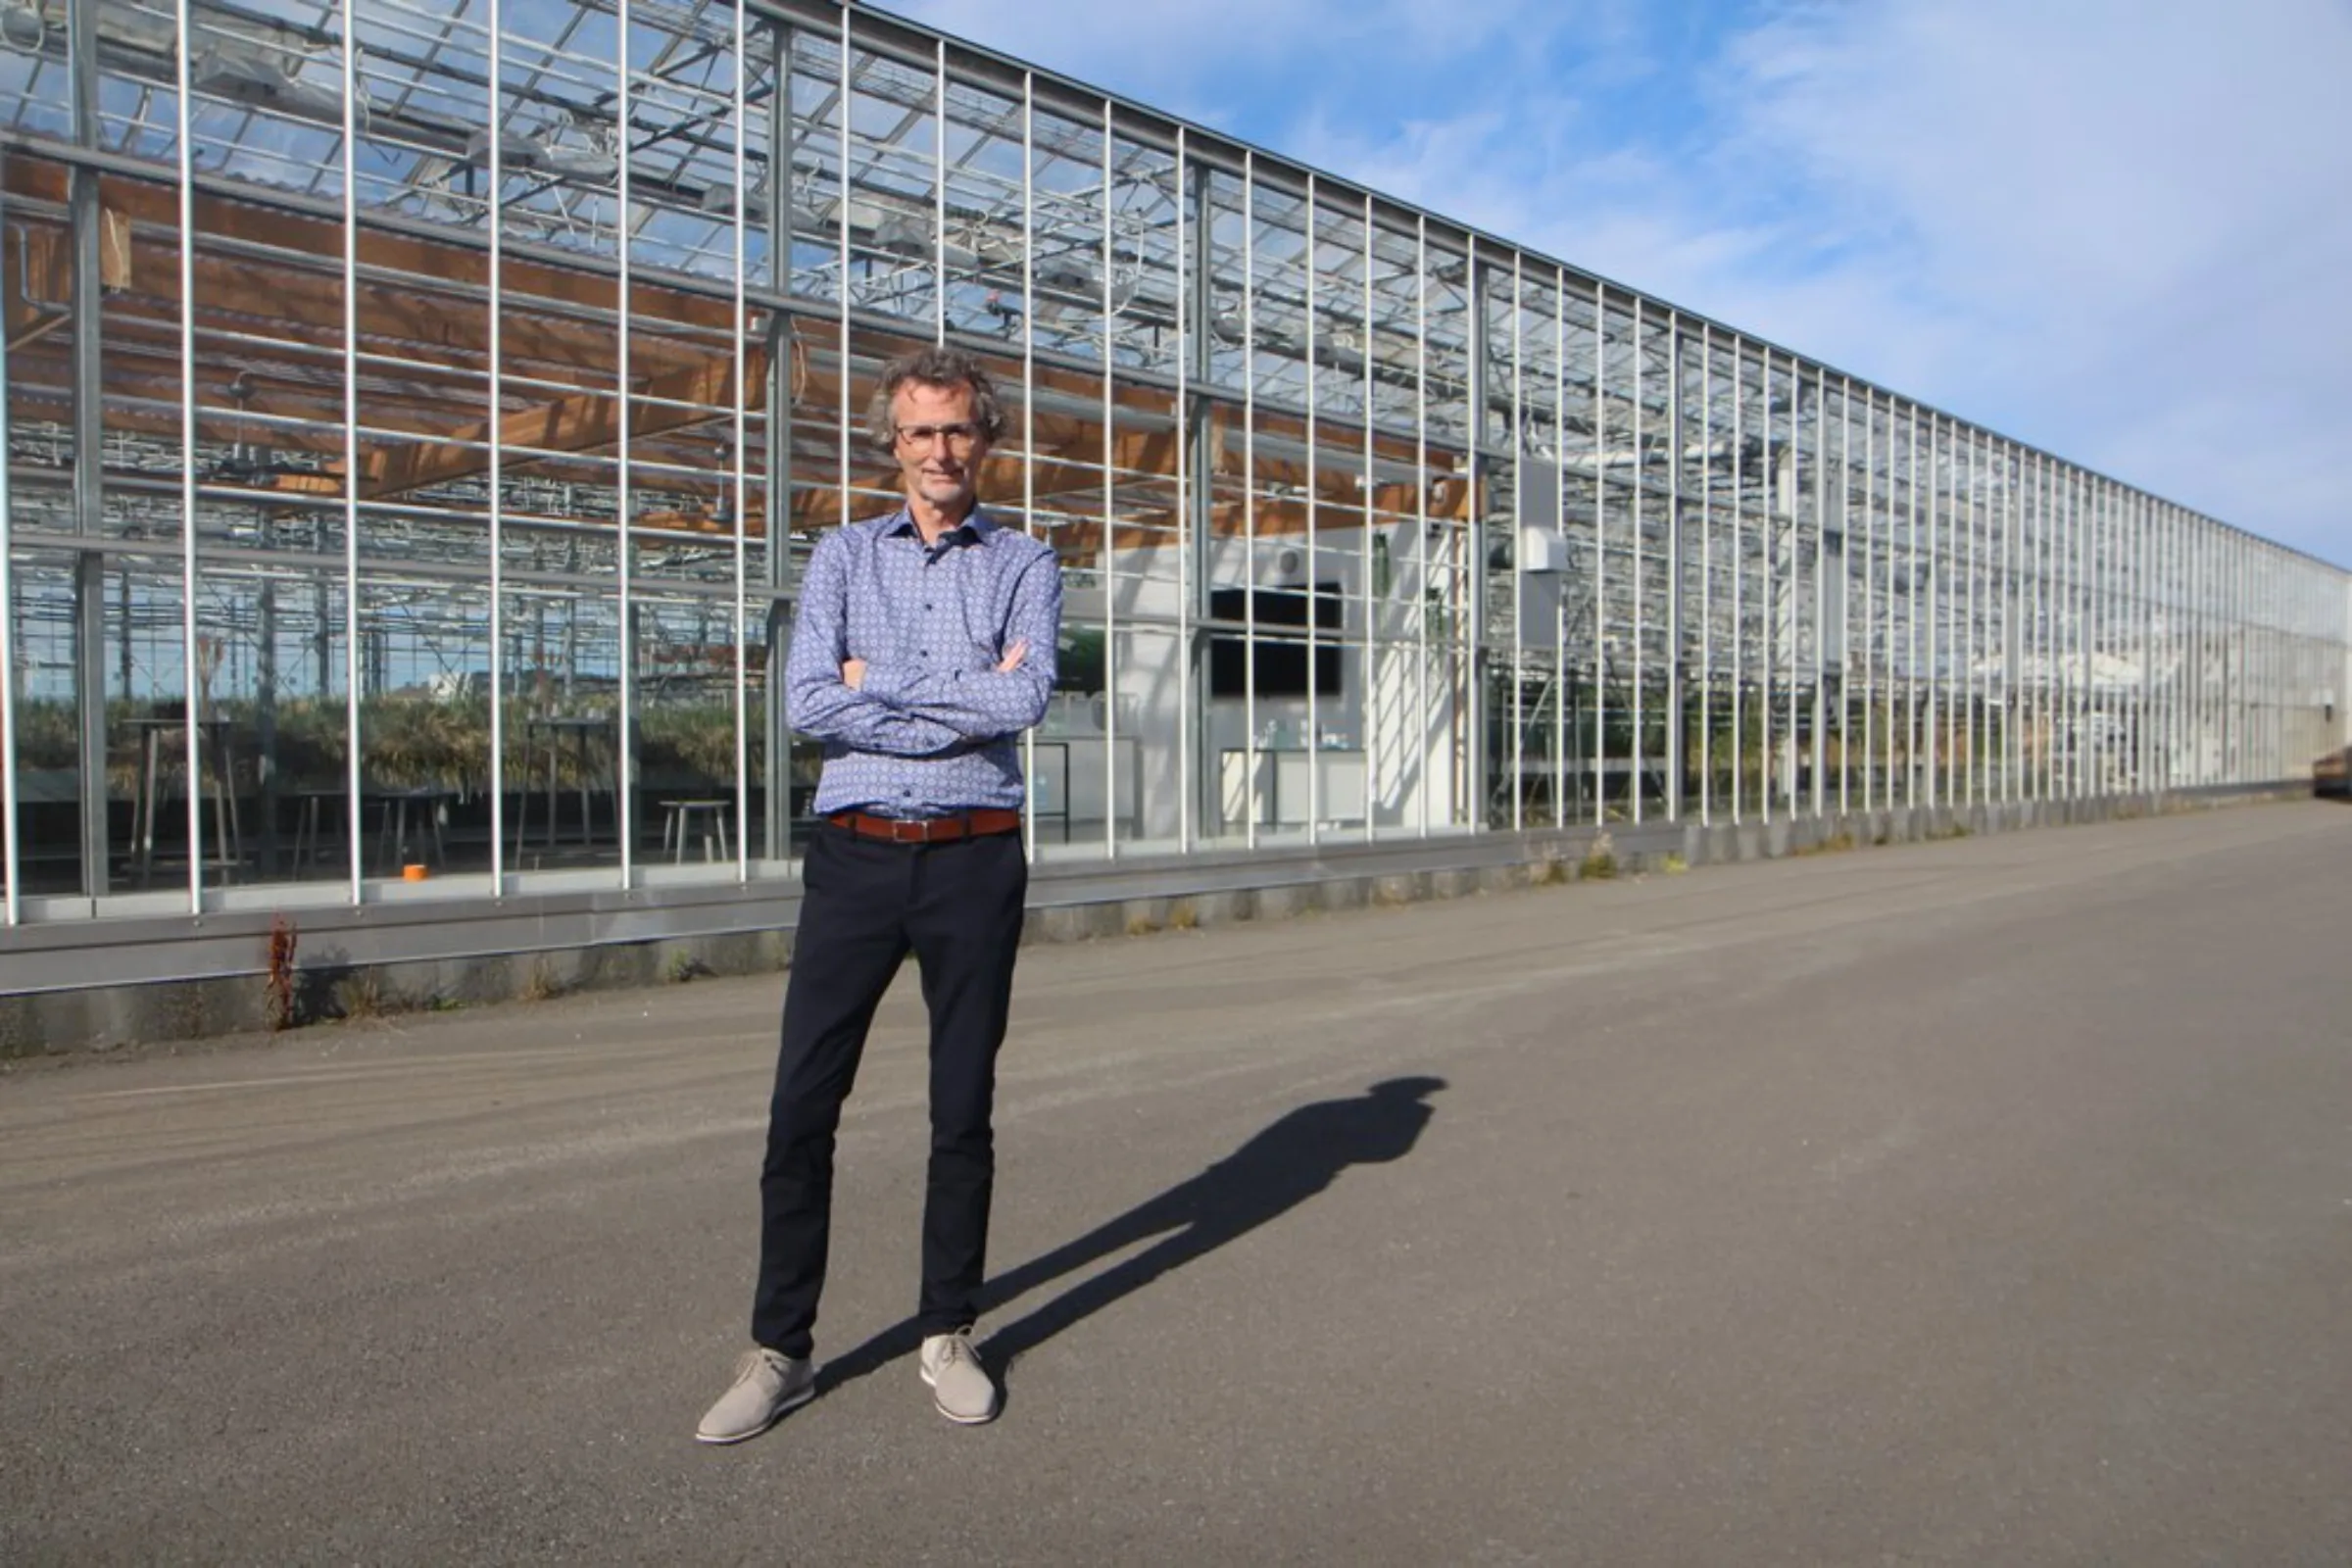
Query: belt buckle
[{"x": 900, "y": 830}]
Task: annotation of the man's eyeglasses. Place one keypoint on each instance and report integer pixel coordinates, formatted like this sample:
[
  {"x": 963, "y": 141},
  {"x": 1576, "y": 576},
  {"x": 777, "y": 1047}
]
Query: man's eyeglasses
[{"x": 959, "y": 437}]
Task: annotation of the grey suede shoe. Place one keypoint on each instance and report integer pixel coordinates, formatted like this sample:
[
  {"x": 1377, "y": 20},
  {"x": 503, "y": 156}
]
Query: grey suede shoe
[
  {"x": 959, "y": 1385},
  {"x": 768, "y": 1383}
]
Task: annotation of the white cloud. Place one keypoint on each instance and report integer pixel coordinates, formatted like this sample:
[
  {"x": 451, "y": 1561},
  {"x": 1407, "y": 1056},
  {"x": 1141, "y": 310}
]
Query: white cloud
[{"x": 2119, "y": 229}]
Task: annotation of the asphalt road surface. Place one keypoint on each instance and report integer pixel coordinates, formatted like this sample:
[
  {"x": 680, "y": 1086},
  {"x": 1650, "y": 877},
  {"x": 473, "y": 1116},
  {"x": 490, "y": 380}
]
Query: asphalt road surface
[{"x": 1978, "y": 1202}]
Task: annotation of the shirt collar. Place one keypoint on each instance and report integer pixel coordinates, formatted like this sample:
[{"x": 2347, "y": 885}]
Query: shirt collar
[{"x": 975, "y": 529}]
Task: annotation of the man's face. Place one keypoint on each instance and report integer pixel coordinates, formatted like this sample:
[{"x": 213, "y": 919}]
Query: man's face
[{"x": 940, "y": 446}]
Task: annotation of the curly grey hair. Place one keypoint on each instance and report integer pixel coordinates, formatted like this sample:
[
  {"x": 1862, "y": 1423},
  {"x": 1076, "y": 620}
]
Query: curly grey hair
[{"x": 933, "y": 366}]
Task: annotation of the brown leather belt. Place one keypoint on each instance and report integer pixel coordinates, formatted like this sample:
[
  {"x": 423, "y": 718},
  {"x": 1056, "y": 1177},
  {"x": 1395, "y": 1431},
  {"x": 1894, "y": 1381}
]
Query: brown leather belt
[{"x": 977, "y": 824}]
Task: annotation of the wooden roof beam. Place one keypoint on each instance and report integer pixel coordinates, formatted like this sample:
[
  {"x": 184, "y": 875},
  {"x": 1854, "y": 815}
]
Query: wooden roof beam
[{"x": 585, "y": 422}]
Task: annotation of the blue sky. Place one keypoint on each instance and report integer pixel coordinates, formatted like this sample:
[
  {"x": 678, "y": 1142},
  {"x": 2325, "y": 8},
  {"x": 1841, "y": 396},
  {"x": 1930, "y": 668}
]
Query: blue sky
[{"x": 2117, "y": 229}]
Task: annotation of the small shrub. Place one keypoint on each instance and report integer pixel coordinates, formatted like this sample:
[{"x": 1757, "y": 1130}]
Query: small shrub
[
  {"x": 1674, "y": 865},
  {"x": 1141, "y": 925},
  {"x": 681, "y": 966},
  {"x": 1547, "y": 872},
  {"x": 1600, "y": 864},
  {"x": 1182, "y": 917}
]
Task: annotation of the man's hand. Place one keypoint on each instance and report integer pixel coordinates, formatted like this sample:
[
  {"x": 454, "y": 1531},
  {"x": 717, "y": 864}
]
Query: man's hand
[
  {"x": 1013, "y": 657},
  {"x": 853, "y": 674}
]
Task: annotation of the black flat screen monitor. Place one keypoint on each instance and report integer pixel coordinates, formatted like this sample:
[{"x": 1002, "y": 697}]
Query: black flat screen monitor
[{"x": 1282, "y": 614}]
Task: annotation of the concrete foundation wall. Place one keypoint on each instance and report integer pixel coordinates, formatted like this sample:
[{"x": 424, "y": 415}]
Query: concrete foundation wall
[{"x": 88, "y": 988}]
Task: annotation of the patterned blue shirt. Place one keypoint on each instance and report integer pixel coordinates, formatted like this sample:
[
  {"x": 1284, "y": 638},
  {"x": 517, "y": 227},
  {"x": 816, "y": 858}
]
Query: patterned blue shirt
[{"x": 931, "y": 729}]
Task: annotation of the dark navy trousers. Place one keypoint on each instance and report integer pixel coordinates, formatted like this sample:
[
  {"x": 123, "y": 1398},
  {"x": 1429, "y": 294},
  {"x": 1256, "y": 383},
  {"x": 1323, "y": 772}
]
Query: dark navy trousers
[{"x": 866, "y": 905}]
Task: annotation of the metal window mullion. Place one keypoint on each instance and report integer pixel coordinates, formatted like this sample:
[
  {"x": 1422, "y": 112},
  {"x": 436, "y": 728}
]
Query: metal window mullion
[
  {"x": 1937, "y": 652},
  {"x": 1901, "y": 464},
  {"x": 1789, "y": 633},
  {"x": 2000, "y": 652},
  {"x": 1869, "y": 590},
  {"x": 1972, "y": 638},
  {"x": 1706, "y": 572},
  {"x": 495, "y": 217},
  {"x": 1367, "y": 706},
  {"x": 1518, "y": 650},
  {"x": 1314, "y": 738},
  {"x": 2131, "y": 620},
  {"x": 625, "y": 783},
  {"x": 2212, "y": 612},
  {"x": 351, "y": 451},
  {"x": 1600, "y": 554},
  {"x": 2103, "y": 596},
  {"x": 846, "y": 103},
  {"x": 1421, "y": 769},
  {"x": 2193, "y": 667},
  {"x": 1250, "y": 500},
  {"x": 11, "y": 861},
  {"x": 1632, "y": 514},
  {"x": 939, "y": 195},
  {"x": 1767, "y": 770},
  {"x": 779, "y": 102},
  {"x": 1028, "y": 407},
  {"x": 2037, "y": 636},
  {"x": 193, "y": 725},
  {"x": 1845, "y": 588},
  {"x": 1184, "y": 542},
  {"x": 2052, "y": 681},
  {"x": 2095, "y": 583},
  {"x": 1911, "y": 595},
  {"x": 1678, "y": 438},
  {"x": 1967, "y": 462},
  {"x": 2177, "y": 730},
  {"x": 2077, "y": 655},
  {"x": 1559, "y": 510},
  {"x": 2068, "y": 629},
  {"x": 2012, "y": 627},
  {"x": 1739, "y": 569},
  {"x": 2097, "y": 754},
  {"x": 1818, "y": 671},
  {"x": 1111, "y": 528},
  {"x": 2062, "y": 634}
]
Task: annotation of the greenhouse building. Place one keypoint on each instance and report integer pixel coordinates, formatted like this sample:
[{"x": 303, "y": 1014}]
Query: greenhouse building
[{"x": 419, "y": 413}]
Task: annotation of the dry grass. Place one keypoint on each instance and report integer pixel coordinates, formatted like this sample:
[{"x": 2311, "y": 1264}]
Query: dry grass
[{"x": 542, "y": 984}]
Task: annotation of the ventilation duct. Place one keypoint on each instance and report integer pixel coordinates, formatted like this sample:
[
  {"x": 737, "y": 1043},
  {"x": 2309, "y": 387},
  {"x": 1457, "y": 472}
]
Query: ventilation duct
[
  {"x": 23, "y": 29},
  {"x": 266, "y": 79},
  {"x": 518, "y": 152}
]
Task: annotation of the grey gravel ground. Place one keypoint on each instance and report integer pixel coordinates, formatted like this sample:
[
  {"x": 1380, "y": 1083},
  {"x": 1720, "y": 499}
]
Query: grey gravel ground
[{"x": 1975, "y": 1202}]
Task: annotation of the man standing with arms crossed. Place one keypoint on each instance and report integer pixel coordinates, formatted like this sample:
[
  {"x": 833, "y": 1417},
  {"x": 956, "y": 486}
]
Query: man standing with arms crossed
[{"x": 924, "y": 644}]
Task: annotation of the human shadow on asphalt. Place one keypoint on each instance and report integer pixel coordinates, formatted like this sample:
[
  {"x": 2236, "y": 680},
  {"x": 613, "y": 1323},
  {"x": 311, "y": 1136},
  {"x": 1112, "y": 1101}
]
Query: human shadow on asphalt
[{"x": 1295, "y": 1158}]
